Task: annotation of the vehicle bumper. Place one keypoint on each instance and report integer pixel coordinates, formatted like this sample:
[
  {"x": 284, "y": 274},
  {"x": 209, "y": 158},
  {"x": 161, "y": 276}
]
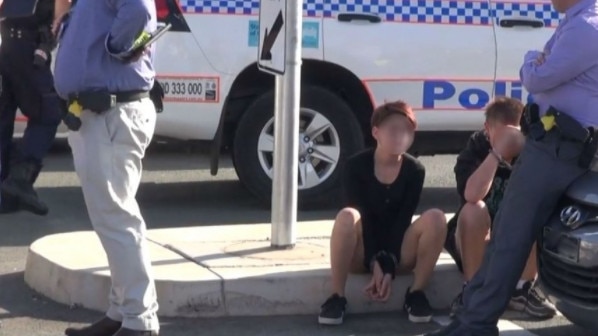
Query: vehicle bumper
[
  {"x": 568, "y": 271},
  {"x": 577, "y": 312}
]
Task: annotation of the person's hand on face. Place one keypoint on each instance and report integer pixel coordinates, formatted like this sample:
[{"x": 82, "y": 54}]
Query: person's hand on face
[
  {"x": 509, "y": 141},
  {"x": 379, "y": 288}
]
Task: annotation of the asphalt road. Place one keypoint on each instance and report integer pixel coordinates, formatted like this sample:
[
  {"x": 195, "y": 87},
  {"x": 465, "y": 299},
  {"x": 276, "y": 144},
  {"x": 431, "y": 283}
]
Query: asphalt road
[{"x": 177, "y": 191}]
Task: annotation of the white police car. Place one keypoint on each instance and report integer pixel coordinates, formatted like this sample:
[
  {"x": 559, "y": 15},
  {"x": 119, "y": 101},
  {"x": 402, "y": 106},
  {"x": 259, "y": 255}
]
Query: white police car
[{"x": 447, "y": 58}]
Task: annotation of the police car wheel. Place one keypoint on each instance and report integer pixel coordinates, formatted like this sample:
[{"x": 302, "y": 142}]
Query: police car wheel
[{"x": 328, "y": 134}]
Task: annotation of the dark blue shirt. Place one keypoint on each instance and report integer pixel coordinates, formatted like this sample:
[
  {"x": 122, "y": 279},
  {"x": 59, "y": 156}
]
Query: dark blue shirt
[{"x": 97, "y": 31}]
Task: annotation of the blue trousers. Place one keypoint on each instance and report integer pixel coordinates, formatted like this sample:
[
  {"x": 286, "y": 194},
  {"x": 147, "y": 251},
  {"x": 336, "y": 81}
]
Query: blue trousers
[{"x": 31, "y": 90}]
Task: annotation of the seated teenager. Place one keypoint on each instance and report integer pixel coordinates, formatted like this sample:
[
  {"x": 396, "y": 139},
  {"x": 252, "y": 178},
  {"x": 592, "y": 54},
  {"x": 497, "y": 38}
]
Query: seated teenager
[
  {"x": 374, "y": 233},
  {"x": 482, "y": 172}
]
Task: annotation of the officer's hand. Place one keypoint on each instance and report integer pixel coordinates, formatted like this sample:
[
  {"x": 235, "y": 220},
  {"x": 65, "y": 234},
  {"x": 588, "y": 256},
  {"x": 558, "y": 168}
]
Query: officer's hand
[
  {"x": 57, "y": 23},
  {"x": 541, "y": 59},
  {"x": 509, "y": 141},
  {"x": 136, "y": 55},
  {"x": 531, "y": 56}
]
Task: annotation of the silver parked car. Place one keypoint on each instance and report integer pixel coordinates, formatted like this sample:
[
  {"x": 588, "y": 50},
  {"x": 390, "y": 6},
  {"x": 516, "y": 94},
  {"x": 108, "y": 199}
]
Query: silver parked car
[{"x": 568, "y": 256}]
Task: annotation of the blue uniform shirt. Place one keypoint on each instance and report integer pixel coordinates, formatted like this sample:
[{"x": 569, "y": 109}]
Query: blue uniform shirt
[{"x": 97, "y": 31}]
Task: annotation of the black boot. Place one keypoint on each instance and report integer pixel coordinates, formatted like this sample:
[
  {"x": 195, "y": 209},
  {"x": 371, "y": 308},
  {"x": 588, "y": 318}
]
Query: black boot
[
  {"x": 8, "y": 204},
  {"x": 19, "y": 185}
]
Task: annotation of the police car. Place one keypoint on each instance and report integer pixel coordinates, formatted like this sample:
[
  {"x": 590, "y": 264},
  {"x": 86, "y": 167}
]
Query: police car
[{"x": 447, "y": 58}]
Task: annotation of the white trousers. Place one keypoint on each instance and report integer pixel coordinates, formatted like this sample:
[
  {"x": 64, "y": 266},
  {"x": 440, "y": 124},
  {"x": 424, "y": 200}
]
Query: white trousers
[{"x": 107, "y": 152}]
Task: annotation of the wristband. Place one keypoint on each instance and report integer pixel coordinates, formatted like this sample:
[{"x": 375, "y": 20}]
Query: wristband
[{"x": 387, "y": 263}]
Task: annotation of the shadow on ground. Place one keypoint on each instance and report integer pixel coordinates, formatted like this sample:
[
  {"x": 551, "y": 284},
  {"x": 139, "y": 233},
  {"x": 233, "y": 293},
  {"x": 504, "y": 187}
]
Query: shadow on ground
[
  {"x": 170, "y": 205},
  {"x": 22, "y": 303}
]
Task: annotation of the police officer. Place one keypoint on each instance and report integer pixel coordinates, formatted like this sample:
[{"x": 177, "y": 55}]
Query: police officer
[
  {"x": 563, "y": 79},
  {"x": 27, "y": 84},
  {"x": 103, "y": 72}
]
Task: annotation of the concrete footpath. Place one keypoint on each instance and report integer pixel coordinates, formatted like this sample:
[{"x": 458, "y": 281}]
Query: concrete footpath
[{"x": 219, "y": 271}]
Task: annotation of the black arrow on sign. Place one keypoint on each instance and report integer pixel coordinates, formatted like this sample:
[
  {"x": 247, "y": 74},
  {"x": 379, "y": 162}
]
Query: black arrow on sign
[{"x": 270, "y": 38}]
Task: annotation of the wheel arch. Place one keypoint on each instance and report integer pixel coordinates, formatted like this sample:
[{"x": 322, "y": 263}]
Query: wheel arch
[{"x": 251, "y": 83}]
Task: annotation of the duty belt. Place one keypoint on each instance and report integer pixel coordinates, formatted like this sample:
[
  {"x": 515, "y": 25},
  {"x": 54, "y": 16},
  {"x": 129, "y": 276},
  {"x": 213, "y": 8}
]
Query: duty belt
[
  {"x": 97, "y": 102},
  {"x": 8, "y": 33},
  {"x": 130, "y": 96},
  {"x": 569, "y": 128}
]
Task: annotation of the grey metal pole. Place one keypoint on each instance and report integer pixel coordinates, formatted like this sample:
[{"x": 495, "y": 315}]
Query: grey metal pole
[{"x": 286, "y": 133}]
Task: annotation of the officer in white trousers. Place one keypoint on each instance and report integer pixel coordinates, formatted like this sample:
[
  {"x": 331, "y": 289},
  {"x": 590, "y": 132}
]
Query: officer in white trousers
[{"x": 96, "y": 70}]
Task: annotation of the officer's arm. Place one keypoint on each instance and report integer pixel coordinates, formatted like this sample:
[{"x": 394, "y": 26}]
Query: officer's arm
[
  {"x": 132, "y": 18},
  {"x": 61, "y": 7},
  {"x": 572, "y": 54}
]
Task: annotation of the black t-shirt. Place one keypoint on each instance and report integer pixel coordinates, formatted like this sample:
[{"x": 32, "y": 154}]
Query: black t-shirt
[
  {"x": 468, "y": 161},
  {"x": 386, "y": 209}
]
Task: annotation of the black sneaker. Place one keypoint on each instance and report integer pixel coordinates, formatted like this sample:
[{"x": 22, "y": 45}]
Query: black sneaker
[
  {"x": 528, "y": 300},
  {"x": 456, "y": 305},
  {"x": 332, "y": 311},
  {"x": 417, "y": 306}
]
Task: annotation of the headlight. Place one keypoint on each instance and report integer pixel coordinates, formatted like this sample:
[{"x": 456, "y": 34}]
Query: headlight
[{"x": 572, "y": 216}]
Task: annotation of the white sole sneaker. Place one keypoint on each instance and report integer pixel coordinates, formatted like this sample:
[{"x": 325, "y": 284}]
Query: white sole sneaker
[
  {"x": 331, "y": 321},
  {"x": 420, "y": 319}
]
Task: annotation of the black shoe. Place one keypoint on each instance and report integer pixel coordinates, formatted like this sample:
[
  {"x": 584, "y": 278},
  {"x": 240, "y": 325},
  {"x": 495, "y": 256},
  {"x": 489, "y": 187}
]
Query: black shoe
[
  {"x": 528, "y": 300},
  {"x": 8, "y": 204},
  {"x": 417, "y": 306},
  {"x": 103, "y": 327},
  {"x": 131, "y": 332},
  {"x": 332, "y": 311},
  {"x": 19, "y": 185}
]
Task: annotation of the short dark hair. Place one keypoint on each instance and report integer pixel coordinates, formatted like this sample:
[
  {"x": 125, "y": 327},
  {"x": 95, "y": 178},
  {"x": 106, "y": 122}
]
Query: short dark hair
[
  {"x": 399, "y": 107},
  {"x": 504, "y": 110}
]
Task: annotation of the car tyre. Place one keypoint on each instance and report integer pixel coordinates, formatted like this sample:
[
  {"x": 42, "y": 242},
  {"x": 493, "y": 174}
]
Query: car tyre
[{"x": 345, "y": 131}]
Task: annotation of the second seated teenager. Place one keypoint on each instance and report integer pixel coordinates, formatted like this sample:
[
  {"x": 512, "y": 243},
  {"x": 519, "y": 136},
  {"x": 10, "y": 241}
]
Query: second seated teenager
[
  {"x": 373, "y": 232},
  {"x": 482, "y": 172}
]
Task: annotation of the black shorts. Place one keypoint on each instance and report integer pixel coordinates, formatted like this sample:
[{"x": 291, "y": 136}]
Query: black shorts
[{"x": 450, "y": 245}]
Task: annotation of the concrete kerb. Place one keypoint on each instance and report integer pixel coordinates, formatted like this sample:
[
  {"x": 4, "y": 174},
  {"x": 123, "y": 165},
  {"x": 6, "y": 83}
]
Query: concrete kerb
[{"x": 219, "y": 271}]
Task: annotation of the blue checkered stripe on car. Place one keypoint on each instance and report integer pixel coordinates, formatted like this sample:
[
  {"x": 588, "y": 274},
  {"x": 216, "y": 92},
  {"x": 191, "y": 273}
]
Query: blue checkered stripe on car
[{"x": 413, "y": 11}]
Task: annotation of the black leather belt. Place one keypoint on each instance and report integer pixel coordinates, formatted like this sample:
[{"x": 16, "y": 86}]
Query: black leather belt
[
  {"x": 130, "y": 96},
  {"x": 13, "y": 33}
]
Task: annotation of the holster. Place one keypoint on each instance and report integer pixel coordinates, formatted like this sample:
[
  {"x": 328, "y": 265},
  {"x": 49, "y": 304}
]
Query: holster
[
  {"x": 589, "y": 150},
  {"x": 571, "y": 130},
  {"x": 157, "y": 96},
  {"x": 94, "y": 101},
  {"x": 531, "y": 126}
]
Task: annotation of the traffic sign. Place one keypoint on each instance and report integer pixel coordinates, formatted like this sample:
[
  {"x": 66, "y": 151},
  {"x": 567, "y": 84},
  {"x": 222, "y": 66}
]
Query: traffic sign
[{"x": 272, "y": 41}]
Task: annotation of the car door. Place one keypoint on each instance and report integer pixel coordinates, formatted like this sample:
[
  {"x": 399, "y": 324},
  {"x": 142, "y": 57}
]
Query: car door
[
  {"x": 520, "y": 26},
  {"x": 439, "y": 56}
]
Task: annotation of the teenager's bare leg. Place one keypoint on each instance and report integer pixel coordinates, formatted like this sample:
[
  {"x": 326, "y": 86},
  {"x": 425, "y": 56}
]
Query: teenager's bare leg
[
  {"x": 422, "y": 245},
  {"x": 531, "y": 268},
  {"x": 473, "y": 226},
  {"x": 344, "y": 258}
]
